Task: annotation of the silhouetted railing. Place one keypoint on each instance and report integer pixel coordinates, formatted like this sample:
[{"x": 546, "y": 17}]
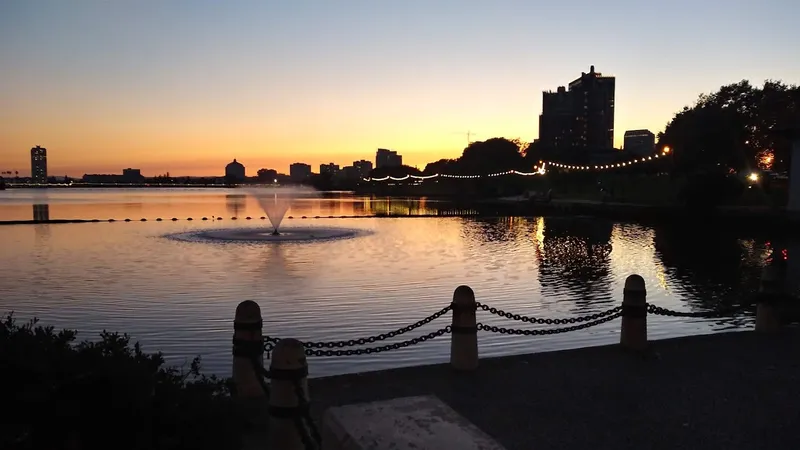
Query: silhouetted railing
[{"x": 290, "y": 424}]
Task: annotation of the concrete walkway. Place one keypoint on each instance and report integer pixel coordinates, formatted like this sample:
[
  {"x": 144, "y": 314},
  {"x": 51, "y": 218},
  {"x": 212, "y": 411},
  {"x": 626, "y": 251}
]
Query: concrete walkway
[{"x": 732, "y": 391}]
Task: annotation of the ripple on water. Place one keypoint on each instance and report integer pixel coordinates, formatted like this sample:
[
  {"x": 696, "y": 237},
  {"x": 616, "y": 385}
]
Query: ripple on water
[{"x": 179, "y": 295}]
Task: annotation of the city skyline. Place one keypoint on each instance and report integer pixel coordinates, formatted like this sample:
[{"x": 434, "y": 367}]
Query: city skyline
[{"x": 186, "y": 87}]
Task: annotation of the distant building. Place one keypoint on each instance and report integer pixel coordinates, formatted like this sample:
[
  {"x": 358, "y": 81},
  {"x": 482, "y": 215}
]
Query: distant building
[
  {"x": 132, "y": 175},
  {"x": 39, "y": 165},
  {"x": 129, "y": 176},
  {"x": 350, "y": 173},
  {"x": 640, "y": 142},
  {"x": 363, "y": 168},
  {"x": 578, "y": 120},
  {"x": 387, "y": 158},
  {"x": 235, "y": 171},
  {"x": 299, "y": 171},
  {"x": 330, "y": 169}
]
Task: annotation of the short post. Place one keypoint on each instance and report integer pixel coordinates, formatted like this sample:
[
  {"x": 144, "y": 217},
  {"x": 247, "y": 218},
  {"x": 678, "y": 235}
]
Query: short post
[
  {"x": 287, "y": 409},
  {"x": 633, "y": 335},
  {"x": 248, "y": 350},
  {"x": 770, "y": 293},
  {"x": 464, "y": 341}
]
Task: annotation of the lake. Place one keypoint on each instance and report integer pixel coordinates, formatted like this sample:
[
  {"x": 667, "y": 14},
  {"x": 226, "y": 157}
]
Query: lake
[{"x": 179, "y": 296}]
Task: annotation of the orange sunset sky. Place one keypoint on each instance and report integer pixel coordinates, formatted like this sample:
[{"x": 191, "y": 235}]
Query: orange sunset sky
[{"x": 185, "y": 87}]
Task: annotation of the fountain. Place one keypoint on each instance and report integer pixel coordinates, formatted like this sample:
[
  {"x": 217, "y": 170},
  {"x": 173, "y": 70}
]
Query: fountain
[{"x": 276, "y": 202}]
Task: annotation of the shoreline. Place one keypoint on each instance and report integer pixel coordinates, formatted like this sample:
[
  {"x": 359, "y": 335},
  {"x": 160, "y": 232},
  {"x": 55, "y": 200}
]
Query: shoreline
[{"x": 693, "y": 392}]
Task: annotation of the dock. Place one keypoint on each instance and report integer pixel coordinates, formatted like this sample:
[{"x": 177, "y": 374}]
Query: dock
[{"x": 737, "y": 390}]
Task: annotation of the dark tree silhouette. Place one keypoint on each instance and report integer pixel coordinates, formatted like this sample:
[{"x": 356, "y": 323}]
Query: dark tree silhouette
[
  {"x": 267, "y": 175},
  {"x": 399, "y": 171},
  {"x": 734, "y": 128},
  {"x": 449, "y": 166},
  {"x": 492, "y": 155}
]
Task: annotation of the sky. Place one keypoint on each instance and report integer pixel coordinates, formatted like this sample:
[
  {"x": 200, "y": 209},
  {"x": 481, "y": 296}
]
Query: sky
[{"x": 186, "y": 86}]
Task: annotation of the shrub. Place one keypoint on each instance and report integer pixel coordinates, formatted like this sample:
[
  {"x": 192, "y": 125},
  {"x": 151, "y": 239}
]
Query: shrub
[{"x": 106, "y": 394}]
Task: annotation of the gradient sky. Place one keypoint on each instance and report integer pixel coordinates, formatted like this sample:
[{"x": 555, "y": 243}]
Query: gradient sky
[{"x": 185, "y": 86}]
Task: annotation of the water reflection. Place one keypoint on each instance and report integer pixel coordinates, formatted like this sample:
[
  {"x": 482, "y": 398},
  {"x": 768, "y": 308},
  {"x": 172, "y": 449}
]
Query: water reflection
[
  {"x": 41, "y": 212},
  {"x": 722, "y": 269},
  {"x": 235, "y": 204},
  {"x": 105, "y": 275},
  {"x": 574, "y": 258}
]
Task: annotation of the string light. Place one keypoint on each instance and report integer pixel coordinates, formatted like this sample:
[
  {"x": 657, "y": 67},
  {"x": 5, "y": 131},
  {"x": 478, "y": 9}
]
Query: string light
[{"x": 538, "y": 170}]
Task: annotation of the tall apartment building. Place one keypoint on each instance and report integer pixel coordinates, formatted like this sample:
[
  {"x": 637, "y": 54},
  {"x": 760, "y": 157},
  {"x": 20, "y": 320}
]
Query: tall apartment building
[
  {"x": 39, "y": 165},
  {"x": 579, "y": 119}
]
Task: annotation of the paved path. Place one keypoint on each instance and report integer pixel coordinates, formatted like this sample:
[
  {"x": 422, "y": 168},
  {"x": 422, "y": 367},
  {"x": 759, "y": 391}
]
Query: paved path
[{"x": 732, "y": 391}]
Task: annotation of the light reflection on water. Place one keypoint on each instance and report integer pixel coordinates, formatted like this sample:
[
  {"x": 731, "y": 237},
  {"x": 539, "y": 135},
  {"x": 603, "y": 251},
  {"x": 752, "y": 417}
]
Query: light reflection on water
[{"x": 179, "y": 297}]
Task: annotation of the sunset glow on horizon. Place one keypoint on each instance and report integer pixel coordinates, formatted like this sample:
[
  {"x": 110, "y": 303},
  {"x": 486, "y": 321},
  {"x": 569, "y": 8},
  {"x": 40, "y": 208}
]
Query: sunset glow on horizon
[{"x": 187, "y": 86}]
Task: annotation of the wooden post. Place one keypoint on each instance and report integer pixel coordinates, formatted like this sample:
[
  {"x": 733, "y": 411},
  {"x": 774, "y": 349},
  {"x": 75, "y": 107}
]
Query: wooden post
[
  {"x": 634, "y": 314},
  {"x": 247, "y": 347},
  {"x": 770, "y": 292},
  {"x": 464, "y": 341},
  {"x": 289, "y": 374}
]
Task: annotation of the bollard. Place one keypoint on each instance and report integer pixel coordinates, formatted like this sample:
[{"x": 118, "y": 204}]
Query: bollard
[
  {"x": 464, "y": 341},
  {"x": 770, "y": 293},
  {"x": 289, "y": 374},
  {"x": 634, "y": 314},
  {"x": 247, "y": 346}
]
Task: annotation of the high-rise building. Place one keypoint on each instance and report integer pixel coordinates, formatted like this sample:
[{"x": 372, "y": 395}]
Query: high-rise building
[
  {"x": 579, "y": 119},
  {"x": 640, "y": 142},
  {"x": 330, "y": 169},
  {"x": 299, "y": 171},
  {"x": 387, "y": 158},
  {"x": 363, "y": 168},
  {"x": 39, "y": 165}
]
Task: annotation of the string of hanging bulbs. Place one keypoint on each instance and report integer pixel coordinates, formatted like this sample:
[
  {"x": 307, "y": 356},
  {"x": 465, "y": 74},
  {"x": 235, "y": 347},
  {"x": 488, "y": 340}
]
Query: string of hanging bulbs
[{"x": 537, "y": 170}]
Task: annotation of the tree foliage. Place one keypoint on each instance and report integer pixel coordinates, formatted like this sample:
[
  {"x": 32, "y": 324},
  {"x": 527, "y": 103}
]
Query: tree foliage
[
  {"x": 483, "y": 157},
  {"x": 107, "y": 393},
  {"x": 735, "y": 128}
]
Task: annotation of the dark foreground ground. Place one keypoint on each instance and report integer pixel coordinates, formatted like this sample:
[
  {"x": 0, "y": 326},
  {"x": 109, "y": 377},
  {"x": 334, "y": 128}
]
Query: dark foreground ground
[{"x": 732, "y": 391}]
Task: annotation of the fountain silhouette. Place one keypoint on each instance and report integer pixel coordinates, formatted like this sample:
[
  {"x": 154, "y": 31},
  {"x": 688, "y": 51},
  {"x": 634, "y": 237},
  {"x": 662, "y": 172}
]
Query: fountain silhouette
[{"x": 276, "y": 201}]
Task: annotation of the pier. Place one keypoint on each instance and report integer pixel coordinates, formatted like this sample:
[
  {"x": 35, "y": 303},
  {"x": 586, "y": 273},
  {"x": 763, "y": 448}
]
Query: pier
[{"x": 730, "y": 390}]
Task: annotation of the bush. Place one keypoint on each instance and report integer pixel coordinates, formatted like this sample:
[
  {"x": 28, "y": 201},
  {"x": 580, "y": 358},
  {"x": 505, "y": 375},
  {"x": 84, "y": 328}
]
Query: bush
[
  {"x": 106, "y": 394},
  {"x": 705, "y": 191}
]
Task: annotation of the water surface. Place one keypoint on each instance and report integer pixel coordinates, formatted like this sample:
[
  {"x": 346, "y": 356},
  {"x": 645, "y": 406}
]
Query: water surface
[{"x": 179, "y": 297}]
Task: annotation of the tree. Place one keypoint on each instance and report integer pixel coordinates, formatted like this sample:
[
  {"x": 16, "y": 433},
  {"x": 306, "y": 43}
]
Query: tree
[
  {"x": 448, "y": 166},
  {"x": 398, "y": 171},
  {"x": 734, "y": 128},
  {"x": 267, "y": 175},
  {"x": 492, "y": 155}
]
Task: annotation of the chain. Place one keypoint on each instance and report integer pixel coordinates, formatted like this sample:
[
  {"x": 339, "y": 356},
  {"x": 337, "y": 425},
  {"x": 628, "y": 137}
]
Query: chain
[
  {"x": 536, "y": 320},
  {"x": 501, "y": 330},
  {"x": 383, "y": 348},
  {"x": 269, "y": 342},
  {"x": 310, "y": 427},
  {"x": 659, "y": 311}
]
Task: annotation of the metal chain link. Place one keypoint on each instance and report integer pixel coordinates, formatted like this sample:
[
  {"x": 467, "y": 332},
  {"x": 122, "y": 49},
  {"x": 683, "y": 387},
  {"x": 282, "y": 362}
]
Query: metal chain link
[
  {"x": 501, "y": 330},
  {"x": 383, "y": 348},
  {"x": 536, "y": 320},
  {"x": 659, "y": 311},
  {"x": 269, "y": 342}
]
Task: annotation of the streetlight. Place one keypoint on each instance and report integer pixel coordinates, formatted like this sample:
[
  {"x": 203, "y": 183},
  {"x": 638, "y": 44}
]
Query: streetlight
[
  {"x": 666, "y": 150},
  {"x": 753, "y": 177}
]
